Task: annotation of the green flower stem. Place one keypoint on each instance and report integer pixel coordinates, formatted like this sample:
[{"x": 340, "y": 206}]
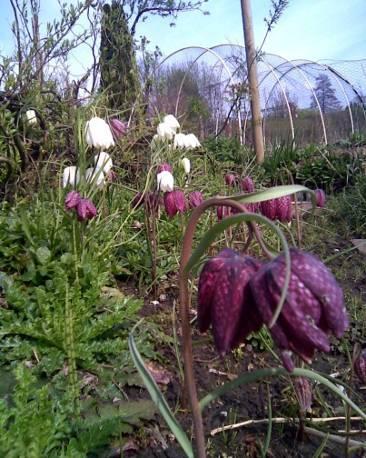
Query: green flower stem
[
  {"x": 184, "y": 304},
  {"x": 75, "y": 249},
  {"x": 251, "y": 377},
  {"x": 70, "y": 350}
]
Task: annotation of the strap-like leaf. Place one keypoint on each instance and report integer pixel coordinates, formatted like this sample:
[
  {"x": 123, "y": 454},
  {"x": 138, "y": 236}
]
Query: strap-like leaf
[
  {"x": 271, "y": 193},
  {"x": 158, "y": 398},
  {"x": 251, "y": 377}
]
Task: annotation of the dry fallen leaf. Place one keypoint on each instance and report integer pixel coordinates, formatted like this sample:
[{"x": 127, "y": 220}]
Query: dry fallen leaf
[{"x": 158, "y": 373}]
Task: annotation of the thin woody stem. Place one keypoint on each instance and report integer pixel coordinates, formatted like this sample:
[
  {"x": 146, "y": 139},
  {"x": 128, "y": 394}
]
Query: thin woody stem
[{"x": 184, "y": 307}]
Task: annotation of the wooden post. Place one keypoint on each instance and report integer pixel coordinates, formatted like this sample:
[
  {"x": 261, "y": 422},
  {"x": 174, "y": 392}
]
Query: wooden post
[{"x": 251, "y": 58}]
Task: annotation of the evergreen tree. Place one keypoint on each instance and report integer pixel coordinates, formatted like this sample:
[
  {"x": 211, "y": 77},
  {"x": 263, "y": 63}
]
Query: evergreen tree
[
  {"x": 325, "y": 93},
  {"x": 118, "y": 68}
]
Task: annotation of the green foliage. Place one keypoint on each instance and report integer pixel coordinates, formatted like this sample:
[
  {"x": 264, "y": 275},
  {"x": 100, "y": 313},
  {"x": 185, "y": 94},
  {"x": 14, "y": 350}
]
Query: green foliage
[
  {"x": 49, "y": 289},
  {"x": 327, "y": 169},
  {"x": 350, "y": 208},
  {"x": 314, "y": 167},
  {"x": 119, "y": 77},
  {"x": 38, "y": 424},
  {"x": 280, "y": 164},
  {"x": 34, "y": 425},
  {"x": 226, "y": 149}
]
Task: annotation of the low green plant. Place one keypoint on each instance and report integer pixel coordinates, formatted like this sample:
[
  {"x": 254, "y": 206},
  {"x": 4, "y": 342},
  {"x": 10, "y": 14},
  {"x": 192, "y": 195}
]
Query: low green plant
[
  {"x": 225, "y": 149},
  {"x": 327, "y": 169},
  {"x": 350, "y": 206}
]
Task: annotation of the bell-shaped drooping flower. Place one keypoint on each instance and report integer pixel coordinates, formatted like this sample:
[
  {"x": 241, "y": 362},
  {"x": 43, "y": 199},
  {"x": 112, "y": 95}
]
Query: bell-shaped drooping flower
[
  {"x": 138, "y": 200},
  {"x": 359, "y": 366},
  {"x": 165, "y": 181},
  {"x": 179, "y": 141},
  {"x": 284, "y": 209},
  {"x": 174, "y": 202},
  {"x": 98, "y": 134},
  {"x": 151, "y": 200},
  {"x": 304, "y": 393},
  {"x": 85, "y": 209},
  {"x": 320, "y": 197},
  {"x": 31, "y": 117},
  {"x": 95, "y": 177},
  {"x": 230, "y": 179},
  {"x": 72, "y": 200},
  {"x": 269, "y": 208},
  {"x": 223, "y": 211},
  {"x": 186, "y": 163},
  {"x": 225, "y": 299},
  {"x": 165, "y": 131},
  {"x": 195, "y": 199},
  {"x": 247, "y": 184},
  {"x": 164, "y": 167},
  {"x": 70, "y": 176},
  {"x": 171, "y": 121},
  {"x": 313, "y": 308},
  {"x": 119, "y": 128},
  {"x": 192, "y": 141},
  {"x": 103, "y": 162}
]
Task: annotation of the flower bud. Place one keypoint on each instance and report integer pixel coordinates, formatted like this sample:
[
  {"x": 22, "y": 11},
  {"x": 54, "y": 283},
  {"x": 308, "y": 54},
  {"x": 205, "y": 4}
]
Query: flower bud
[
  {"x": 31, "y": 117},
  {"x": 359, "y": 366},
  {"x": 320, "y": 197},
  {"x": 230, "y": 179},
  {"x": 118, "y": 128},
  {"x": 85, "y": 209},
  {"x": 313, "y": 308},
  {"x": 72, "y": 200},
  {"x": 195, "y": 199},
  {"x": 164, "y": 167},
  {"x": 98, "y": 134},
  {"x": 186, "y": 163},
  {"x": 247, "y": 184},
  {"x": 225, "y": 301},
  {"x": 304, "y": 393},
  {"x": 174, "y": 202}
]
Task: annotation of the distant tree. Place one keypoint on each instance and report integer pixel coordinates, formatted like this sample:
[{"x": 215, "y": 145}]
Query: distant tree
[
  {"x": 325, "y": 93},
  {"x": 119, "y": 76},
  {"x": 118, "y": 69},
  {"x": 279, "y": 107}
]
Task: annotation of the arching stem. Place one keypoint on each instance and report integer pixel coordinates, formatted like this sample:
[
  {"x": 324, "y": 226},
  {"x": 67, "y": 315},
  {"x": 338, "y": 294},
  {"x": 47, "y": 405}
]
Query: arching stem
[{"x": 184, "y": 307}]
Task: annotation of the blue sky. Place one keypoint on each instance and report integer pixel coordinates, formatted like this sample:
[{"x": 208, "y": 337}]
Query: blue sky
[{"x": 309, "y": 29}]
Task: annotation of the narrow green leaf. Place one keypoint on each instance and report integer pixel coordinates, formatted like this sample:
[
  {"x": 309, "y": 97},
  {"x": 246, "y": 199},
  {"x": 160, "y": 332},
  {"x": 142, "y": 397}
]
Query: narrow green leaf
[
  {"x": 271, "y": 193},
  {"x": 251, "y": 377},
  {"x": 159, "y": 399}
]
